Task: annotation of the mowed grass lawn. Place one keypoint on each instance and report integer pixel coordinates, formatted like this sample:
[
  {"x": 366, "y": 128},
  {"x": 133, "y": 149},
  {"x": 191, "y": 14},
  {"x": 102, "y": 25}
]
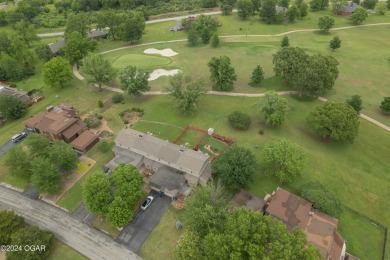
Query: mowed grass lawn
[
  {"x": 61, "y": 251},
  {"x": 358, "y": 173}
]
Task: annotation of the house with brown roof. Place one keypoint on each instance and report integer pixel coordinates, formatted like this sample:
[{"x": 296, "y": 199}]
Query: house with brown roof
[
  {"x": 62, "y": 123},
  {"x": 174, "y": 166},
  {"x": 320, "y": 229}
]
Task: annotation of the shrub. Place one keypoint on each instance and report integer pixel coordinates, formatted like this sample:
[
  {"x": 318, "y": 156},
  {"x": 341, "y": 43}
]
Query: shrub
[
  {"x": 104, "y": 146},
  {"x": 133, "y": 109},
  {"x": 322, "y": 199},
  {"x": 385, "y": 105},
  {"x": 239, "y": 120},
  {"x": 99, "y": 116},
  {"x": 100, "y": 103},
  {"x": 117, "y": 98},
  {"x": 93, "y": 121}
]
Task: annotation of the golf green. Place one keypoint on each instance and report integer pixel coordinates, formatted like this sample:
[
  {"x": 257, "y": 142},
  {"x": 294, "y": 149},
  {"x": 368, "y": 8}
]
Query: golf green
[{"x": 140, "y": 61}]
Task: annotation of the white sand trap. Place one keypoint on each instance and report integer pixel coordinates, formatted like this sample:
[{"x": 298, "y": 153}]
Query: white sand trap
[
  {"x": 166, "y": 52},
  {"x": 161, "y": 72}
]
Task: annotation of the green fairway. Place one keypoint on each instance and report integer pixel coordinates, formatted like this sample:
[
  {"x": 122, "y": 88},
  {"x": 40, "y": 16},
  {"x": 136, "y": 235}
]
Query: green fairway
[{"x": 138, "y": 60}]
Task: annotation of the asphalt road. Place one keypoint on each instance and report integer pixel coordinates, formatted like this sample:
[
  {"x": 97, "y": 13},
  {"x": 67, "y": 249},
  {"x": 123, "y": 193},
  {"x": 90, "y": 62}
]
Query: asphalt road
[
  {"x": 8, "y": 145},
  {"x": 135, "y": 234},
  {"x": 88, "y": 241}
]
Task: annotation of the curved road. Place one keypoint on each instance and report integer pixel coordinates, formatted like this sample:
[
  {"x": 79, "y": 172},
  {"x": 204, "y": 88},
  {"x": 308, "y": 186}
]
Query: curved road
[{"x": 88, "y": 241}]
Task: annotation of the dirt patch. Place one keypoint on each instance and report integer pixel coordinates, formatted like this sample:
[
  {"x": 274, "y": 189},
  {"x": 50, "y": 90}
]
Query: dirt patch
[
  {"x": 211, "y": 150},
  {"x": 70, "y": 178},
  {"x": 100, "y": 129},
  {"x": 130, "y": 118},
  {"x": 179, "y": 202}
]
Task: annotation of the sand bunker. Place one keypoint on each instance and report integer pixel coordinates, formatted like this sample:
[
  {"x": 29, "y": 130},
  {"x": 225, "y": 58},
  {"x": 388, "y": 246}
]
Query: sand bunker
[
  {"x": 161, "y": 72},
  {"x": 164, "y": 52}
]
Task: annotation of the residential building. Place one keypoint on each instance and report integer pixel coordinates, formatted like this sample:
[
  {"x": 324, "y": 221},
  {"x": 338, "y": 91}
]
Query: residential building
[
  {"x": 174, "y": 166},
  {"x": 62, "y": 123},
  {"x": 346, "y": 10},
  {"x": 5, "y": 89}
]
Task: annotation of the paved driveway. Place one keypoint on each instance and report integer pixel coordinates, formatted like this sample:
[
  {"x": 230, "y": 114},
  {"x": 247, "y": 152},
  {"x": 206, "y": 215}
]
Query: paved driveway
[
  {"x": 88, "y": 241},
  {"x": 135, "y": 234},
  {"x": 8, "y": 145}
]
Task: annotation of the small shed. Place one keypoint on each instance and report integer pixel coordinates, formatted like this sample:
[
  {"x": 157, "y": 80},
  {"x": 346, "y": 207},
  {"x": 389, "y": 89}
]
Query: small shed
[{"x": 85, "y": 141}]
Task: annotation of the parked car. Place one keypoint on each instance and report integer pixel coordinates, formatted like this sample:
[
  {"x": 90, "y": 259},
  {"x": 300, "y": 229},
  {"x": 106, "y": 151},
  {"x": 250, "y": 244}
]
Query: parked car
[
  {"x": 16, "y": 138},
  {"x": 147, "y": 202}
]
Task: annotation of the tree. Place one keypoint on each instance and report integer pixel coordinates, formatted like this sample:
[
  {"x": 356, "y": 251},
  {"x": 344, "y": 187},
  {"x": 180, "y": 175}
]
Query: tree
[
  {"x": 280, "y": 17},
  {"x": 226, "y": 9},
  {"x": 206, "y": 208},
  {"x": 127, "y": 175},
  {"x": 205, "y": 26},
  {"x": 133, "y": 27},
  {"x": 316, "y": 5},
  {"x": 215, "y": 41},
  {"x": 285, "y": 42},
  {"x": 26, "y": 31},
  {"x": 369, "y": 4},
  {"x": 192, "y": 37},
  {"x": 63, "y": 156},
  {"x": 319, "y": 75},
  {"x": 289, "y": 63},
  {"x": 45, "y": 177},
  {"x": 274, "y": 110},
  {"x": 9, "y": 224},
  {"x": 256, "y": 5},
  {"x": 359, "y": 15},
  {"x": 77, "y": 48},
  {"x": 76, "y": 23},
  {"x": 335, "y": 43},
  {"x": 385, "y": 105},
  {"x": 97, "y": 193},
  {"x": 325, "y": 23},
  {"x": 112, "y": 20},
  {"x": 388, "y": 4},
  {"x": 186, "y": 92},
  {"x": 31, "y": 235},
  {"x": 37, "y": 145},
  {"x": 43, "y": 52},
  {"x": 284, "y": 3},
  {"x": 244, "y": 8},
  {"x": 257, "y": 77},
  {"x": 208, "y": 3},
  {"x": 235, "y": 167},
  {"x": 339, "y": 6},
  {"x": 293, "y": 13},
  {"x": 18, "y": 163},
  {"x": 322, "y": 199},
  {"x": 334, "y": 121},
  {"x": 283, "y": 160},
  {"x": 189, "y": 247},
  {"x": 303, "y": 10},
  {"x": 56, "y": 72},
  {"x": 100, "y": 70},
  {"x": 134, "y": 81},
  {"x": 356, "y": 103},
  {"x": 12, "y": 107},
  {"x": 119, "y": 214},
  {"x": 239, "y": 120},
  {"x": 222, "y": 74}
]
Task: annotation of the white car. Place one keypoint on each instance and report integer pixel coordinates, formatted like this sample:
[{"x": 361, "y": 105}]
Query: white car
[
  {"x": 147, "y": 202},
  {"x": 16, "y": 138}
]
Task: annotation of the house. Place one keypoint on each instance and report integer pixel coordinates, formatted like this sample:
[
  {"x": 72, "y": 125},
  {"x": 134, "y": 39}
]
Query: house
[
  {"x": 320, "y": 229},
  {"x": 62, "y": 123},
  {"x": 345, "y": 10},
  {"x": 244, "y": 199},
  {"x": 174, "y": 166},
  {"x": 94, "y": 35},
  {"x": 5, "y": 89}
]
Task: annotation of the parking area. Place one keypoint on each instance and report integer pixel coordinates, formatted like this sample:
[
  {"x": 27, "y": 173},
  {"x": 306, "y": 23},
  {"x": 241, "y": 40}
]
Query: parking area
[
  {"x": 135, "y": 234},
  {"x": 8, "y": 145},
  {"x": 81, "y": 213}
]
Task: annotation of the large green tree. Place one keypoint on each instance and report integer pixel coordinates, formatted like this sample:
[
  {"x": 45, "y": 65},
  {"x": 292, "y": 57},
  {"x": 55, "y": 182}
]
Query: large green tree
[
  {"x": 63, "y": 156},
  {"x": 77, "y": 23},
  {"x": 56, "y": 72},
  {"x": 283, "y": 160},
  {"x": 274, "y": 109},
  {"x": 206, "y": 208},
  {"x": 12, "y": 107},
  {"x": 77, "y": 48},
  {"x": 18, "y": 162},
  {"x": 317, "y": 5},
  {"x": 268, "y": 11},
  {"x": 134, "y": 81},
  {"x": 119, "y": 213},
  {"x": 244, "y": 8},
  {"x": 335, "y": 121},
  {"x": 186, "y": 92},
  {"x": 359, "y": 15},
  {"x": 322, "y": 199},
  {"x": 97, "y": 193},
  {"x": 257, "y": 77},
  {"x": 46, "y": 177},
  {"x": 235, "y": 167},
  {"x": 26, "y": 31},
  {"x": 325, "y": 23},
  {"x": 356, "y": 102},
  {"x": 112, "y": 20},
  {"x": 205, "y": 26},
  {"x": 222, "y": 74},
  {"x": 38, "y": 145},
  {"x": 9, "y": 224},
  {"x": 385, "y": 105},
  {"x": 133, "y": 27},
  {"x": 99, "y": 69},
  {"x": 43, "y": 52},
  {"x": 31, "y": 235}
]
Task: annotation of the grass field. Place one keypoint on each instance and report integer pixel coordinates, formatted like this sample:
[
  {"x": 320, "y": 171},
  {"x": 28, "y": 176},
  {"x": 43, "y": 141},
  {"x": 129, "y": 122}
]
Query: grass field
[
  {"x": 61, "y": 251},
  {"x": 160, "y": 243}
]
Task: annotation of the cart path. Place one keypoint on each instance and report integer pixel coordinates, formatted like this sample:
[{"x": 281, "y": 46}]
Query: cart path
[{"x": 84, "y": 239}]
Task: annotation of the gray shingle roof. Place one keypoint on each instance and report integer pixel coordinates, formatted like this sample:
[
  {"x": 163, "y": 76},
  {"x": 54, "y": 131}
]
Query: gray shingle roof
[{"x": 162, "y": 151}]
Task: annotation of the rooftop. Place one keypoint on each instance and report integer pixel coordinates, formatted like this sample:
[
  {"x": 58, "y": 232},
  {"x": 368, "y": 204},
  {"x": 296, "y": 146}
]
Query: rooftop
[
  {"x": 163, "y": 151},
  {"x": 84, "y": 140},
  {"x": 245, "y": 199},
  {"x": 6, "y": 90},
  {"x": 167, "y": 179}
]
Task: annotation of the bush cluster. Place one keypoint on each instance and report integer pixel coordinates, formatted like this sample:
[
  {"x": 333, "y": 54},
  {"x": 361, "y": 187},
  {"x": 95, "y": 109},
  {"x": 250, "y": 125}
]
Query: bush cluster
[
  {"x": 117, "y": 98},
  {"x": 133, "y": 109},
  {"x": 239, "y": 120},
  {"x": 93, "y": 120}
]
